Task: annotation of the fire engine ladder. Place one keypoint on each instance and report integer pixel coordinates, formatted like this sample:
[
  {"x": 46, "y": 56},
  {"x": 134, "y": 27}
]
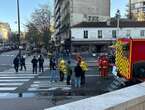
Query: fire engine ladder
[{"x": 116, "y": 84}]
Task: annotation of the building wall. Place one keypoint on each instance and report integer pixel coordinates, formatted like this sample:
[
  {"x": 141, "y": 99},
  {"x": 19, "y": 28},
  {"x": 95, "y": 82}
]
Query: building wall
[
  {"x": 82, "y": 10},
  {"x": 138, "y": 10},
  {"x": 95, "y": 44},
  {"x": 78, "y": 33},
  {"x": 4, "y": 31},
  {"x": 94, "y": 7},
  {"x": 71, "y": 12}
]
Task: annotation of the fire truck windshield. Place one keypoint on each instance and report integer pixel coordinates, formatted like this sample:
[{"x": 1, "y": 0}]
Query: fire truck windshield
[{"x": 126, "y": 50}]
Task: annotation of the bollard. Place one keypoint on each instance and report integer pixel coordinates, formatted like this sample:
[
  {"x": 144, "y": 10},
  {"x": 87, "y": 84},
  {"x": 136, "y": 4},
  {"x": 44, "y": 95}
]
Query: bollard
[{"x": 20, "y": 94}]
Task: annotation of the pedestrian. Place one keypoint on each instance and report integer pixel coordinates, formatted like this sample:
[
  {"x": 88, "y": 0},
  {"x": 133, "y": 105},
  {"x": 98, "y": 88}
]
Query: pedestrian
[
  {"x": 69, "y": 72},
  {"x": 41, "y": 61},
  {"x": 34, "y": 64},
  {"x": 22, "y": 63},
  {"x": 78, "y": 71},
  {"x": 53, "y": 70},
  {"x": 16, "y": 63}
]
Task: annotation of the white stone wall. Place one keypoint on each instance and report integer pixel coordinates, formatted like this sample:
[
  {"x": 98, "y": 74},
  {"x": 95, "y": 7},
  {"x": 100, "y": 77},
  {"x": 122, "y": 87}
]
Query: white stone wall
[{"x": 78, "y": 33}]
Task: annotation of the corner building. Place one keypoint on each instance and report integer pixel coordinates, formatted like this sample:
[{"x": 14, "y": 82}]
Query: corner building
[{"x": 71, "y": 12}]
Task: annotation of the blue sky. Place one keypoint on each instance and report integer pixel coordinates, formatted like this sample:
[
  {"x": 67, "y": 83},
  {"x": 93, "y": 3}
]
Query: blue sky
[{"x": 8, "y": 11}]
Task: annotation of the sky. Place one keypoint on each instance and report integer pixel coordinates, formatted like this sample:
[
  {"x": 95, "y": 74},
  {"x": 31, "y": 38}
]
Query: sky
[{"x": 8, "y": 10}]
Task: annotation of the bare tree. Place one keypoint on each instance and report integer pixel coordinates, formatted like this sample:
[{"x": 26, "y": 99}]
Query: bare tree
[{"x": 39, "y": 26}]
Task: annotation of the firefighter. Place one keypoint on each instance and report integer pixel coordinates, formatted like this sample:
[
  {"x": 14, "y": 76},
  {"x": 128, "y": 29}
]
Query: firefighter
[
  {"x": 62, "y": 69},
  {"x": 104, "y": 66},
  {"x": 84, "y": 67}
]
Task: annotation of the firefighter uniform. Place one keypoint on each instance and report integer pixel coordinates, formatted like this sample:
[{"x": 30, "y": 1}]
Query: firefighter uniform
[
  {"x": 104, "y": 66},
  {"x": 84, "y": 67},
  {"x": 62, "y": 69}
]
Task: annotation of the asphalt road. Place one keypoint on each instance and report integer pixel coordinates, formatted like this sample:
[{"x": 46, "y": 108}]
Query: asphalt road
[
  {"x": 95, "y": 85},
  {"x": 6, "y": 60}
]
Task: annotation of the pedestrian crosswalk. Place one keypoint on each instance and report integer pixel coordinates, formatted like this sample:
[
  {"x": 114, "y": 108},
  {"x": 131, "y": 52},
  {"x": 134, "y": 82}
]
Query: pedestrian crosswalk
[
  {"x": 9, "y": 82},
  {"x": 43, "y": 84}
]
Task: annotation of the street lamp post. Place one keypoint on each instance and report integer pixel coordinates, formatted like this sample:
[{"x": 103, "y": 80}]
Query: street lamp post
[
  {"x": 130, "y": 14},
  {"x": 19, "y": 30},
  {"x": 118, "y": 15}
]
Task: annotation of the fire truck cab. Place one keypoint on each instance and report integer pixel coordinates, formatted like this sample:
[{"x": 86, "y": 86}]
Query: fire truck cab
[{"x": 130, "y": 58}]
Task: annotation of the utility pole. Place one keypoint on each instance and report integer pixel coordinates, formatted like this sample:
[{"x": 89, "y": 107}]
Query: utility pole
[
  {"x": 118, "y": 16},
  {"x": 19, "y": 30}
]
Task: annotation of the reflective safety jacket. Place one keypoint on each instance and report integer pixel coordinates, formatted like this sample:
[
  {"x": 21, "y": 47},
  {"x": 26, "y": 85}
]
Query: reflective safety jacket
[
  {"x": 84, "y": 66},
  {"x": 62, "y": 66}
]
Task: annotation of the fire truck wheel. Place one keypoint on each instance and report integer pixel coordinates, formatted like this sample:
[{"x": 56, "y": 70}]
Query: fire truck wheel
[{"x": 139, "y": 69}]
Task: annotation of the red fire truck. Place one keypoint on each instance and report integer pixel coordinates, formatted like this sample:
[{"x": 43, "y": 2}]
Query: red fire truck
[{"x": 130, "y": 58}]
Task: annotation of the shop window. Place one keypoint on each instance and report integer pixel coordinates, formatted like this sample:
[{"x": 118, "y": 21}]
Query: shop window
[
  {"x": 128, "y": 33},
  {"x": 114, "y": 34},
  {"x": 142, "y": 33},
  {"x": 85, "y": 34},
  {"x": 99, "y": 33}
]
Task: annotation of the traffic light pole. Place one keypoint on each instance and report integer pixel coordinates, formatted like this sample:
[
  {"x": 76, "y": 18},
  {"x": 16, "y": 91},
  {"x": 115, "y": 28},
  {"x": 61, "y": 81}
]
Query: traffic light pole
[{"x": 19, "y": 29}]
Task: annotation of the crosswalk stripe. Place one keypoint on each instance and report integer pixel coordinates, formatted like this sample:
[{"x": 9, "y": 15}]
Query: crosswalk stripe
[
  {"x": 10, "y": 84},
  {"x": 47, "y": 89},
  {"x": 46, "y": 85},
  {"x": 7, "y": 88},
  {"x": 29, "y": 70},
  {"x": 14, "y": 80},
  {"x": 14, "y": 77}
]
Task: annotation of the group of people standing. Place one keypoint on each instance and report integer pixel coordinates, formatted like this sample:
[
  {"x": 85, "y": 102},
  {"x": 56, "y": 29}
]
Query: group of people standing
[
  {"x": 19, "y": 61},
  {"x": 62, "y": 67},
  {"x": 35, "y": 62},
  {"x": 65, "y": 70}
]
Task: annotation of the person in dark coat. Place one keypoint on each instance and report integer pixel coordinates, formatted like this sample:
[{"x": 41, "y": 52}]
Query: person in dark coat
[
  {"x": 22, "y": 63},
  {"x": 53, "y": 70},
  {"x": 34, "y": 64},
  {"x": 41, "y": 61},
  {"x": 16, "y": 63},
  {"x": 51, "y": 63},
  {"x": 78, "y": 71}
]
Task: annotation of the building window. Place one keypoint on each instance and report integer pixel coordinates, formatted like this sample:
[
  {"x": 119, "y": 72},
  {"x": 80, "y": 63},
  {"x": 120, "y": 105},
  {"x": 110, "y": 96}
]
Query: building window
[
  {"x": 142, "y": 33},
  {"x": 85, "y": 34},
  {"x": 144, "y": 9},
  {"x": 99, "y": 33},
  {"x": 114, "y": 34},
  {"x": 128, "y": 33}
]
